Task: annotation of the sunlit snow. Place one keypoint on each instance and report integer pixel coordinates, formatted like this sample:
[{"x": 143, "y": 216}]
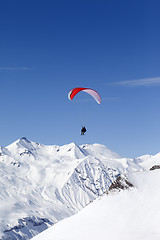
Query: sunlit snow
[
  {"x": 40, "y": 186},
  {"x": 130, "y": 214}
]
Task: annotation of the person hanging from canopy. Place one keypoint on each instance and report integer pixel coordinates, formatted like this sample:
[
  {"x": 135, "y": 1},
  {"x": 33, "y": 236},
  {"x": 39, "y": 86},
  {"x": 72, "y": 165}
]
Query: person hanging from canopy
[
  {"x": 73, "y": 92},
  {"x": 83, "y": 130}
]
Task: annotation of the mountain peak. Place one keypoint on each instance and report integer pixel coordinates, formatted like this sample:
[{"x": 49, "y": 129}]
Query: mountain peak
[
  {"x": 24, "y": 139},
  {"x": 65, "y": 178},
  {"x": 22, "y": 143},
  {"x": 73, "y": 149}
]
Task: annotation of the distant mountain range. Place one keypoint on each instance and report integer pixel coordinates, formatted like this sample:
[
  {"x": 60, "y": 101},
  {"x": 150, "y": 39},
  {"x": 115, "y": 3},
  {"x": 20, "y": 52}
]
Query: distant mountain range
[{"x": 41, "y": 185}]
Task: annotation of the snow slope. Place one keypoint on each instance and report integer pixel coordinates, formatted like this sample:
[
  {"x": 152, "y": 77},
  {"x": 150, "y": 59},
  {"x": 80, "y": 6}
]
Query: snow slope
[
  {"x": 130, "y": 214},
  {"x": 148, "y": 161},
  {"x": 40, "y": 185}
]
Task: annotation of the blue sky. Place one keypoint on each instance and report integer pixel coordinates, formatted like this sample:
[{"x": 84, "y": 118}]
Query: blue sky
[{"x": 49, "y": 47}]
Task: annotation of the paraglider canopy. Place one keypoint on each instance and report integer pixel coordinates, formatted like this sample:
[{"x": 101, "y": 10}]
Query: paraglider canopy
[{"x": 90, "y": 91}]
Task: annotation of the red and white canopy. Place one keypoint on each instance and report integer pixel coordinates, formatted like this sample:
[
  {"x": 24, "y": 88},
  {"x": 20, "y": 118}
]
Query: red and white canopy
[{"x": 90, "y": 91}]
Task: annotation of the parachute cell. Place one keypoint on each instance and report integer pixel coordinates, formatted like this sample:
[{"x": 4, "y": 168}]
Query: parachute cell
[{"x": 90, "y": 91}]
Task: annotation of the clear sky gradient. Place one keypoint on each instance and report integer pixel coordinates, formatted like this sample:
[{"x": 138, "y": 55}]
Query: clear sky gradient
[{"x": 48, "y": 47}]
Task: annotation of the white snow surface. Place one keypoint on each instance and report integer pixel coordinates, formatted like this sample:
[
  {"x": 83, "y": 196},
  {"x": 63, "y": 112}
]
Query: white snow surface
[
  {"x": 41, "y": 185},
  {"x": 147, "y": 161},
  {"x": 130, "y": 214}
]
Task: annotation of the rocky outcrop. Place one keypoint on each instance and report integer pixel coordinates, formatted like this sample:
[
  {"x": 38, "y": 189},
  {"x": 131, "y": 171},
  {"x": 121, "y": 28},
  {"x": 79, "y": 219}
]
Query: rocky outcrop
[
  {"x": 120, "y": 183},
  {"x": 155, "y": 167}
]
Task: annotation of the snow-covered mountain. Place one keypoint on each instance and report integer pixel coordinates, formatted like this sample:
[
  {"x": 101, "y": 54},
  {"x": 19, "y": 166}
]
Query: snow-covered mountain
[
  {"x": 41, "y": 185},
  {"x": 127, "y": 215},
  {"x": 149, "y": 162}
]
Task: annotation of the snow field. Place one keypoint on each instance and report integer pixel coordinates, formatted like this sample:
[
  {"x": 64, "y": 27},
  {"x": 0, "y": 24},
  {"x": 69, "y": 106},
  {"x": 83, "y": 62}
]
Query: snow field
[
  {"x": 130, "y": 214},
  {"x": 41, "y": 185}
]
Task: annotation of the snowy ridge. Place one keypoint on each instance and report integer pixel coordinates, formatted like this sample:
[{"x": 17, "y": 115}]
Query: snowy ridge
[
  {"x": 148, "y": 161},
  {"x": 127, "y": 215},
  {"x": 40, "y": 185}
]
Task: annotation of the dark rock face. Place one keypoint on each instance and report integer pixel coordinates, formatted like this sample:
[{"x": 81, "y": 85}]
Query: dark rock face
[
  {"x": 155, "y": 167},
  {"x": 121, "y": 183}
]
